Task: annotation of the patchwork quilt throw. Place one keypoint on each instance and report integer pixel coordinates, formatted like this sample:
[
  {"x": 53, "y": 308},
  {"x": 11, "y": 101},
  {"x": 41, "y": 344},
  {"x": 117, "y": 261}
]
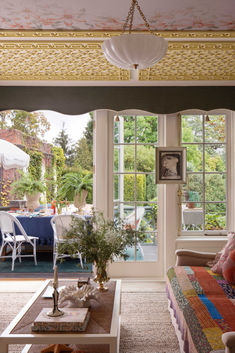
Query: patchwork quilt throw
[{"x": 204, "y": 307}]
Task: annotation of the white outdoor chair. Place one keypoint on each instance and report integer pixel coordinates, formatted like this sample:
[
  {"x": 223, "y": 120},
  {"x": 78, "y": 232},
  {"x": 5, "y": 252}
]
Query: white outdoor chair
[
  {"x": 130, "y": 220},
  {"x": 15, "y": 240},
  {"x": 61, "y": 224}
]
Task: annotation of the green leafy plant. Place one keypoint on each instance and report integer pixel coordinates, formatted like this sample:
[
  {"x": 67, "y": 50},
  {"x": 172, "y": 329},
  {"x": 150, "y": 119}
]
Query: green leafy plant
[
  {"x": 27, "y": 184},
  {"x": 73, "y": 183},
  {"x": 100, "y": 240},
  {"x": 215, "y": 222}
]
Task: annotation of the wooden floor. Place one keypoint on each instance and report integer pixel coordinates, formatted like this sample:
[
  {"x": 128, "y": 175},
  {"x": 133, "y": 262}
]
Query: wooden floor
[{"x": 25, "y": 285}]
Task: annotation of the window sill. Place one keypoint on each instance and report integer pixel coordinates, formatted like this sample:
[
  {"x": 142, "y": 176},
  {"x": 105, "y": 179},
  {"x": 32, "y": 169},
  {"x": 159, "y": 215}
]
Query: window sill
[
  {"x": 201, "y": 243},
  {"x": 204, "y": 238}
]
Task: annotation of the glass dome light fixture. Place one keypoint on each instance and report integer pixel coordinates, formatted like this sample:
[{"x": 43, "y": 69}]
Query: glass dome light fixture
[{"x": 134, "y": 50}]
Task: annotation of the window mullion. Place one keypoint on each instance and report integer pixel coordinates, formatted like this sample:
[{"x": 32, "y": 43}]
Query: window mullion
[
  {"x": 135, "y": 190},
  {"x": 203, "y": 172}
]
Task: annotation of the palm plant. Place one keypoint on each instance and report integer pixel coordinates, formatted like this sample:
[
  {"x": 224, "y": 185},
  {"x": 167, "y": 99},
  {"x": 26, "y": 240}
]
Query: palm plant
[{"x": 75, "y": 187}]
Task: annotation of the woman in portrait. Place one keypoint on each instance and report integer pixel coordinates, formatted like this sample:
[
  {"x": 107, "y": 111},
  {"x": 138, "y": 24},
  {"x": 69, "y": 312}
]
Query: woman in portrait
[{"x": 170, "y": 166}]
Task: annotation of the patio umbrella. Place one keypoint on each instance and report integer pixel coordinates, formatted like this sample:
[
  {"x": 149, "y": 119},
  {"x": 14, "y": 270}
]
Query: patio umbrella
[{"x": 11, "y": 156}]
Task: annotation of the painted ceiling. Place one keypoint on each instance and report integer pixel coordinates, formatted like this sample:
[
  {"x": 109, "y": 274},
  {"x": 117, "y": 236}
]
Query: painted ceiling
[
  {"x": 49, "y": 40},
  {"x": 106, "y": 15}
]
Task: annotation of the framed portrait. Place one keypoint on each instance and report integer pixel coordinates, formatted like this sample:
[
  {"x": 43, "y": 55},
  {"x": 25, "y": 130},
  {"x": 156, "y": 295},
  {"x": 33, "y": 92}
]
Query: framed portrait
[{"x": 171, "y": 165}]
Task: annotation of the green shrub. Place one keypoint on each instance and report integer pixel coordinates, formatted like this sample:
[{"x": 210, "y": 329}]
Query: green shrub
[{"x": 129, "y": 187}]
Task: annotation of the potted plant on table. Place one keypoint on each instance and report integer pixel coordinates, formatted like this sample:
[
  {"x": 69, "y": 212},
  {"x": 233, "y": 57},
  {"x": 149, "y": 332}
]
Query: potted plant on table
[
  {"x": 29, "y": 187},
  {"x": 75, "y": 187},
  {"x": 100, "y": 241}
]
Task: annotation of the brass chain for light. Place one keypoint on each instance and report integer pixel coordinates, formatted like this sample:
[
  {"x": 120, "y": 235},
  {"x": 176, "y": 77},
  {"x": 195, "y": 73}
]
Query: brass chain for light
[{"x": 130, "y": 16}]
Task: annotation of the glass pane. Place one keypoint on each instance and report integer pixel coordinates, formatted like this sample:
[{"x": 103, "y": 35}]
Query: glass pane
[
  {"x": 215, "y": 158},
  {"x": 147, "y": 129},
  {"x": 192, "y": 191},
  {"x": 151, "y": 239},
  {"x": 128, "y": 128},
  {"x": 122, "y": 210},
  {"x": 129, "y": 214},
  {"x": 141, "y": 187},
  {"x": 129, "y": 187},
  {"x": 194, "y": 158},
  {"x": 191, "y": 128},
  {"x": 149, "y": 248},
  {"x": 215, "y": 187},
  {"x": 192, "y": 218},
  {"x": 148, "y": 220},
  {"x": 145, "y": 159},
  {"x": 151, "y": 188},
  {"x": 124, "y": 188},
  {"x": 124, "y": 158},
  {"x": 215, "y": 218},
  {"x": 124, "y": 129},
  {"x": 215, "y": 128}
]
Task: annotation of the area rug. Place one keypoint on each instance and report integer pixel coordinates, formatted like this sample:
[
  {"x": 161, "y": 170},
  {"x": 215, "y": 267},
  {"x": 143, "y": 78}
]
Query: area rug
[
  {"x": 45, "y": 265},
  {"x": 145, "y": 321}
]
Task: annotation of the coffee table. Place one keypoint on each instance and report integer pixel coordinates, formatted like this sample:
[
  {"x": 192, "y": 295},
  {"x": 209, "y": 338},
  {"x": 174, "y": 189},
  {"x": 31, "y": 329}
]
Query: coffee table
[{"x": 103, "y": 329}]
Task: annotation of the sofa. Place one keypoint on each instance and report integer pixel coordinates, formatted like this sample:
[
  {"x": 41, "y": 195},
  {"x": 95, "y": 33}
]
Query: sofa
[{"x": 201, "y": 303}]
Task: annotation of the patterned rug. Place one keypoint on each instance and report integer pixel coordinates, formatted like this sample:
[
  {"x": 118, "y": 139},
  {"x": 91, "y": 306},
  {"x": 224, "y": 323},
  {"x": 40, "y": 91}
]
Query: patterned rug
[{"x": 145, "y": 321}]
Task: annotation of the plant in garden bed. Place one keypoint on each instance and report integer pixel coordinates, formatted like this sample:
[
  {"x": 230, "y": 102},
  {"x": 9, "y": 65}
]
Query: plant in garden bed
[
  {"x": 215, "y": 221},
  {"x": 100, "y": 241}
]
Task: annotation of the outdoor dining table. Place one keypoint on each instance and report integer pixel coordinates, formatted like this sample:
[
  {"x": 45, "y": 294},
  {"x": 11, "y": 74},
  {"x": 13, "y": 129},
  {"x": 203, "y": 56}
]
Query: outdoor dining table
[{"x": 38, "y": 226}]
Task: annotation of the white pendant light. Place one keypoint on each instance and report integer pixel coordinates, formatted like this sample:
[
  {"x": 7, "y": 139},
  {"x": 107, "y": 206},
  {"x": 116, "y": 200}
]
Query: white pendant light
[{"x": 134, "y": 51}]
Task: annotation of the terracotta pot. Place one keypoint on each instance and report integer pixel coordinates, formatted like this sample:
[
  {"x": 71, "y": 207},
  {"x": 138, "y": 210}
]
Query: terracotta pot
[
  {"x": 190, "y": 204},
  {"x": 32, "y": 201}
]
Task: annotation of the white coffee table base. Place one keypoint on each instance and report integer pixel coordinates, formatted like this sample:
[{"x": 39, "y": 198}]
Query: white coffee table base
[{"x": 112, "y": 339}]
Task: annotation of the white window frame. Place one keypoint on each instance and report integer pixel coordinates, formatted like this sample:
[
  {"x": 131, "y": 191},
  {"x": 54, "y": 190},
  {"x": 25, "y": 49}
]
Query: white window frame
[
  {"x": 230, "y": 143},
  {"x": 168, "y": 235},
  {"x": 135, "y": 172}
]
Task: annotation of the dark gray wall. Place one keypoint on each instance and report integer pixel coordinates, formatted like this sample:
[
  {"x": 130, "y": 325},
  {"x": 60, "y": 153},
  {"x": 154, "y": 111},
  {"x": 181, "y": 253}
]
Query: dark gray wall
[{"x": 79, "y": 100}]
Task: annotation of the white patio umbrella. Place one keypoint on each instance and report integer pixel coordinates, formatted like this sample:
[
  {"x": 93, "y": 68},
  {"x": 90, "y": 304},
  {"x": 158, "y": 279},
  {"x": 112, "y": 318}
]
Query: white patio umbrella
[{"x": 11, "y": 156}]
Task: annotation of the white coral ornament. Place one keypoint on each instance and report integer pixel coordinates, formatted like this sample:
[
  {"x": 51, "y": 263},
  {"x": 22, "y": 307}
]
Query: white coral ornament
[{"x": 79, "y": 297}]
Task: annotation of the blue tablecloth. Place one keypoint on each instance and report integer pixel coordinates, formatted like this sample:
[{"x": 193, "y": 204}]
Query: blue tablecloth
[{"x": 39, "y": 227}]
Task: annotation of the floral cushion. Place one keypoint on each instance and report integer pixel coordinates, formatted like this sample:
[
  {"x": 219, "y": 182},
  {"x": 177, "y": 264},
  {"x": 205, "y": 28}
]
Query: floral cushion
[{"x": 230, "y": 245}]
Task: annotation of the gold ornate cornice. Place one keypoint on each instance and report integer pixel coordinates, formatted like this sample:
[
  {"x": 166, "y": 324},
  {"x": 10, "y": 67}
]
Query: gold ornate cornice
[
  {"x": 194, "y": 61},
  {"x": 96, "y": 45},
  {"x": 108, "y": 34},
  {"x": 77, "y": 56}
]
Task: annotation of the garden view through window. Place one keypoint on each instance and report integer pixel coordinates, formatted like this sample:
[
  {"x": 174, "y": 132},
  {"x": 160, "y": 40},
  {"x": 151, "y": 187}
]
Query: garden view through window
[
  {"x": 204, "y": 196},
  {"x": 135, "y": 191}
]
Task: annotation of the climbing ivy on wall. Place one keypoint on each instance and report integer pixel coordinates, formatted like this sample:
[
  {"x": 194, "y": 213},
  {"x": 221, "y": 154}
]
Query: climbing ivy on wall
[
  {"x": 59, "y": 161},
  {"x": 35, "y": 165}
]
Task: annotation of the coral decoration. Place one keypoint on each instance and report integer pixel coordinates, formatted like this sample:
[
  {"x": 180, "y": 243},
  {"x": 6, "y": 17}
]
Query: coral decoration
[{"x": 79, "y": 297}]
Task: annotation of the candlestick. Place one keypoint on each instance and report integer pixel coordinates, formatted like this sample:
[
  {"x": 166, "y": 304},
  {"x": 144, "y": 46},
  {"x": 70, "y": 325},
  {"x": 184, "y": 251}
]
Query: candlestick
[
  {"x": 55, "y": 311},
  {"x": 55, "y": 277}
]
